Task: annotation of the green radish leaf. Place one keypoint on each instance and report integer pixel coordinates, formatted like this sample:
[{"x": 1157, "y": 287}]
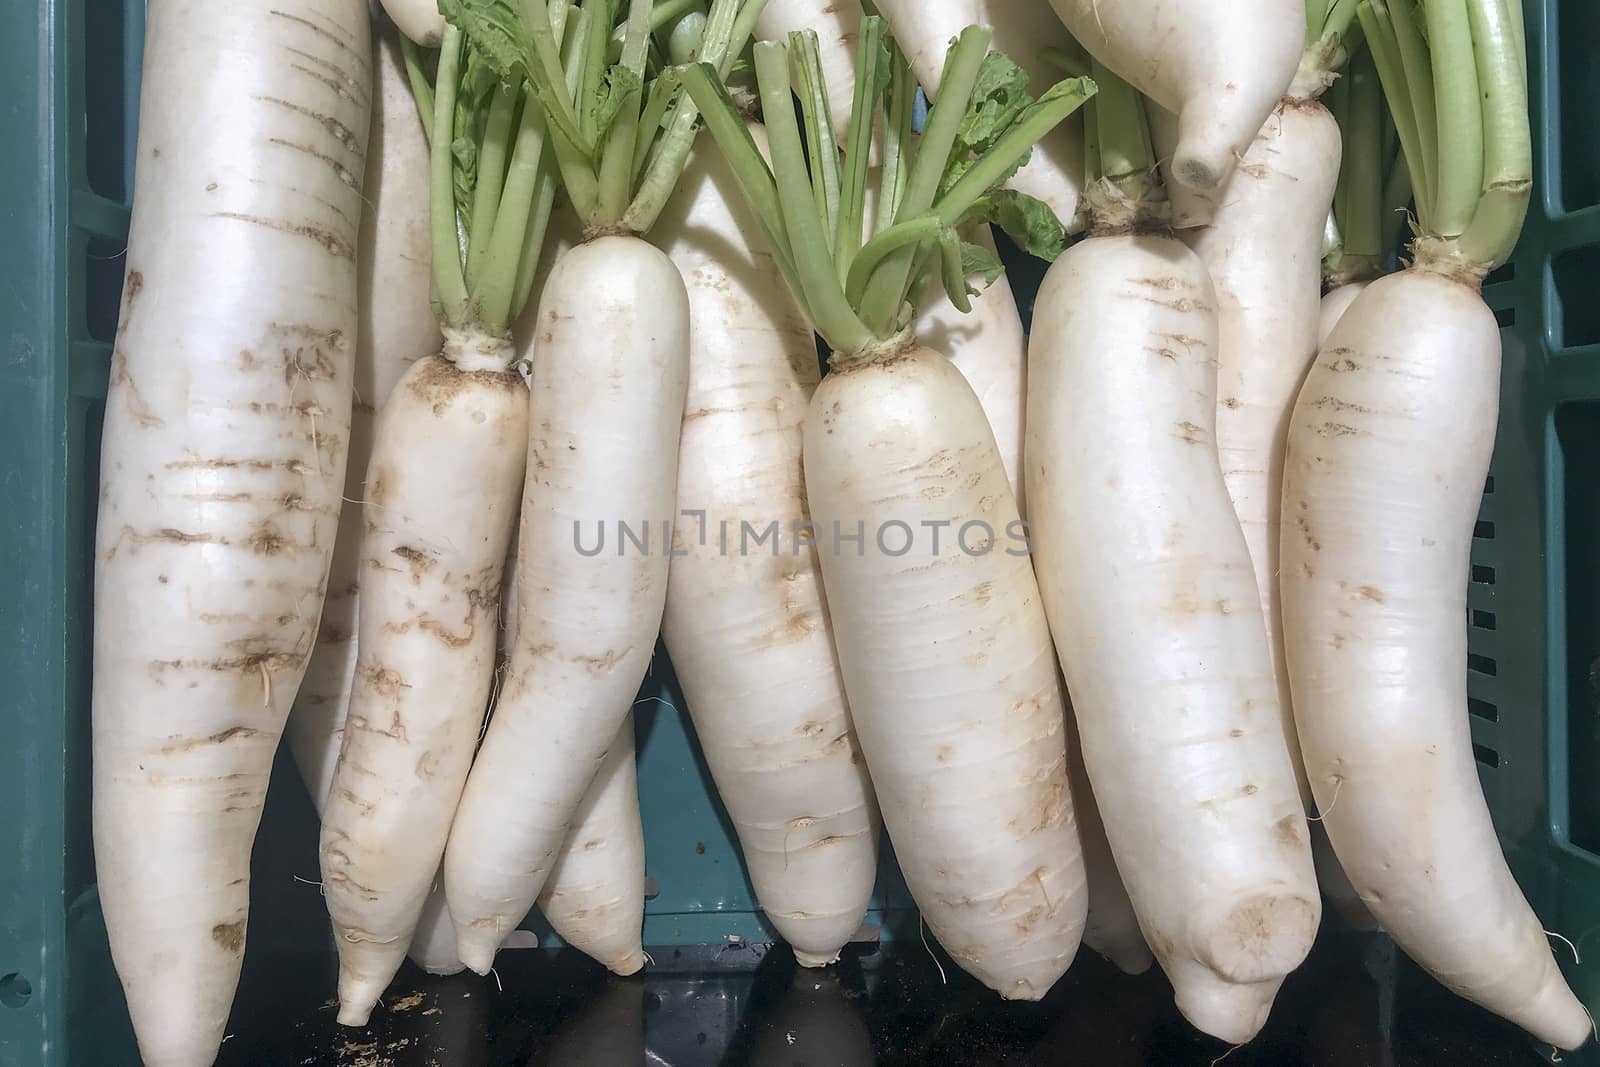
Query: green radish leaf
[
  {"x": 1028, "y": 221},
  {"x": 495, "y": 28},
  {"x": 474, "y": 95},
  {"x": 976, "y": 259},
  {"x": 999, "y": 97},
  {"x": 618, "y": 84}
]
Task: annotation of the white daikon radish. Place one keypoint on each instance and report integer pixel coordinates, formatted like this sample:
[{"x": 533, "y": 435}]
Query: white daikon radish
[
  {"x": 222, "y": 462},
  {"x": 945, "y": 654},
  {"x": 609, "y": 379},
  {"x": 1388, "y": 452},
  {"x": 745, "y": 622},
  {"x": 1147, "y": 580},
  {"x": 441, "y": 497}
]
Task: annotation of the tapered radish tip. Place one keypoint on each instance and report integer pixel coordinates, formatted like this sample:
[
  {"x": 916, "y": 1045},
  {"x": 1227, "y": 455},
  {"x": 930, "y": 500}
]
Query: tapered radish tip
[
  {"x": 632, "y": 963},
  {"x": 477, "y": 955},
  {"x": 352, "y": 1013}
]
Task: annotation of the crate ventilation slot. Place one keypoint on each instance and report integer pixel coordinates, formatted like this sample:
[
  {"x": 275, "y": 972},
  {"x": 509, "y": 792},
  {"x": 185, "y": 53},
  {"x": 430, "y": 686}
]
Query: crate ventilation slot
[
  {"x": 1483, "y": 709},
  {"x": 1483, "y": 664},
  {"x": 1483, "y": 620},
  {"x": 1485, "y": 755}
]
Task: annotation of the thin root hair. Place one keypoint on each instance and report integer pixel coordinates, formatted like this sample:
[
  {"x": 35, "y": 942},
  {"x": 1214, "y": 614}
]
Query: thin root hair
[
  {"x": 1575, "y": 957},
  {"x": 923, "y": 933},
  {"x": 496, "y": 975},
  {"x": 1231, "y": 1050},
  {"x": 1337, "y": 786}
]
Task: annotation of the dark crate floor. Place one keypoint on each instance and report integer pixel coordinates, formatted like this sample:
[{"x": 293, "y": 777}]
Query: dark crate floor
[{"x": 1355, "y": 1004}]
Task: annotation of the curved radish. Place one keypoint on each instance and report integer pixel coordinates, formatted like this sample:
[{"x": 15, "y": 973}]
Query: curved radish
[
  {"x": 223, "y": 461},
  {"x": 1221, "y": 68},
  {"x": 1121, "y": 413},
  {"x": 1388, "y": 452},
  {"x": 1356, "y": 613},
  {"x": 441, "y": 491},
  {"x": 1023, "y": 29},
  {"x": 397, "y": 328},
  {"x": 608, "y": 385},
  {"x": 746, "y": 627},
  {"x": 594, "y": 897}
]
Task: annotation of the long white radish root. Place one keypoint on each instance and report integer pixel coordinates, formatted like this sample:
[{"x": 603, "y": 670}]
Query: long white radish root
[
  {"x": 594, "y": 897},
  {"x": 608, "y": 384},
  {"x": 1221, "y": 67},
  {"x": 442, "y": 490},
  {"x": 222, "y": 464},
  {"x": 1389, "y": 450},
  {"x": 949, "y": 666},
  {"x": 396, "y": 329},
  {"x": 1023, "y": 29},
  {"x": 745, "y": 622},
  {"x": 1376, "y": 551},
  {"x": 1133, "y": 535}
]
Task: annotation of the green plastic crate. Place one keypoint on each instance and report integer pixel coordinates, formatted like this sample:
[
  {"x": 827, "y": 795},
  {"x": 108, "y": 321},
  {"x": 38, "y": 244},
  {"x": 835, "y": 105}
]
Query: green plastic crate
[{"x": 68, "y": 113}]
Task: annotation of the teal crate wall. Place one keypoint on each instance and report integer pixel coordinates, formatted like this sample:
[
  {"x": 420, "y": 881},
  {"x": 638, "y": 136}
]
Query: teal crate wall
[{"x": 69, "y": 86}]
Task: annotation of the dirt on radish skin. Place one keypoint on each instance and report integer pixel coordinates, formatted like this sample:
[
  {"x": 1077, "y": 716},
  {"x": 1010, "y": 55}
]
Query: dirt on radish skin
[
  {"x": 227, "y": 422},
  {"x": 444, "y": 486},
  {"x": 1134, "y": 533},
  {"x": 1375, "y": 560}
]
